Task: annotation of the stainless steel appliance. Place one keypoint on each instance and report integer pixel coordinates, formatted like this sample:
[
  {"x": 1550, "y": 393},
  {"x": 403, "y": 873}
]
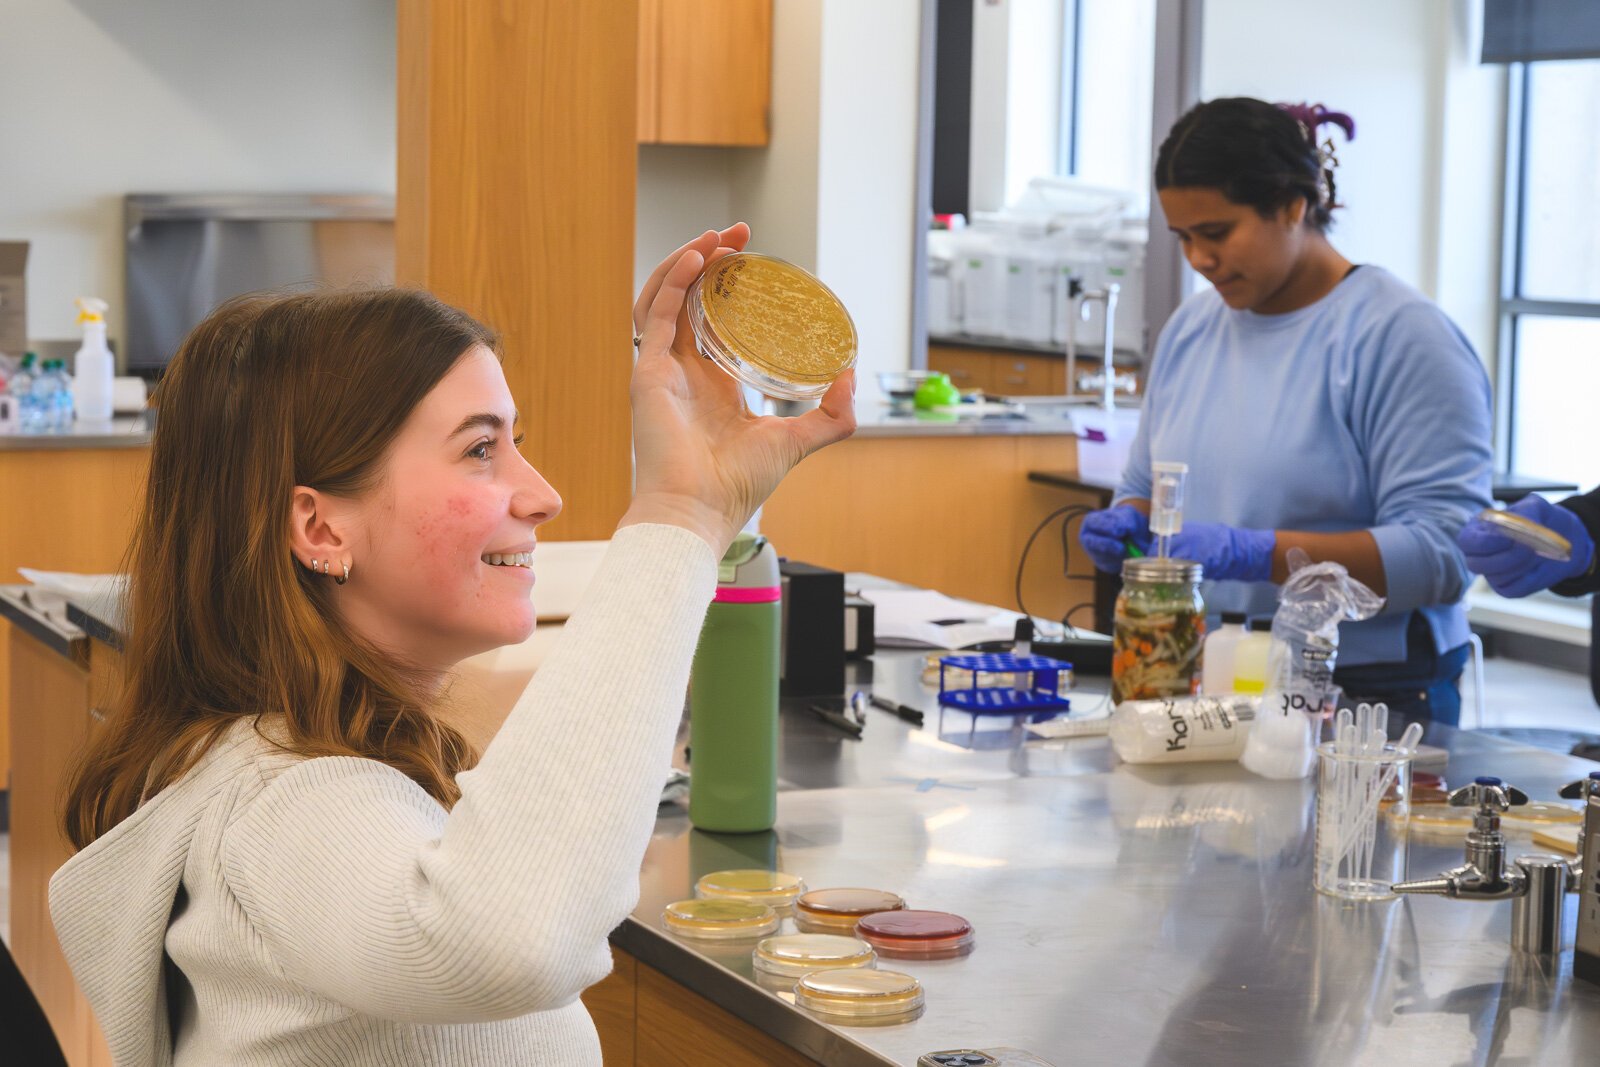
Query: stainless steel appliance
[{"x": 188, "y": 253}]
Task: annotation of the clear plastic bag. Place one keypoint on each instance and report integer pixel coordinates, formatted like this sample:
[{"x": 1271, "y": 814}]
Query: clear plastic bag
[{"x": 1315, "y": 599}]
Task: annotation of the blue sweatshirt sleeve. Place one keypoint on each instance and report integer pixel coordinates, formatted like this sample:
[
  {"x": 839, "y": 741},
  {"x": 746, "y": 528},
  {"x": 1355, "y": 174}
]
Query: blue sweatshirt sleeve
[{"x": 1425, "y": 421}]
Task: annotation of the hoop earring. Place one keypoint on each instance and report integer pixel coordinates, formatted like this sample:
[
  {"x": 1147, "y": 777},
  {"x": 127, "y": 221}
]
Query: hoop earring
[
  {"x": 345, "y": 577},
  {"x": 316, "y": 566}
]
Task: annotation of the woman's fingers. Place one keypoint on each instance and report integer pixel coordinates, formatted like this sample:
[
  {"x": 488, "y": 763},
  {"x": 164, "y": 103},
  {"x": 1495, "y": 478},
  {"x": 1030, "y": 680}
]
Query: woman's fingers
[
  {"x": 734, "y": 237},
  {"x": 659, "y": 324},
  {"x": 833, "y": 420}
]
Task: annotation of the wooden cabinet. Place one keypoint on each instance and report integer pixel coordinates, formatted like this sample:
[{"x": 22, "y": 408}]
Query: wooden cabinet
[
  {"x": 74, "y": 511},
  {"x": 1000, "y": 372},
  {"x": 969, "y": 368},
  {"x": 705, "y": 71},
  {"x": 646, "y": 1019},
  {"x": 50, "y": 700},
  {"x": 1019, "y": 375}
]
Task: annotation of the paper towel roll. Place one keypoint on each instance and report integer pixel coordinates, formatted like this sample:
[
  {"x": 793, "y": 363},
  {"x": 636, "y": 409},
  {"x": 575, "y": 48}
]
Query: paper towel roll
[{"x": 127, "y": 395}]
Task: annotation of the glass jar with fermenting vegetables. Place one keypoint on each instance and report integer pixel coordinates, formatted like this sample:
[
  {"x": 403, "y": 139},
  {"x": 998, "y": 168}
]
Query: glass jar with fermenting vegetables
[{"x": 1159, "y": 630}]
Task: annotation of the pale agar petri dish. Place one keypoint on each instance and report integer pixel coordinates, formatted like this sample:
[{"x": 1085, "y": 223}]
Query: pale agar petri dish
[
  {"x": 771, "y": 325},
  {"x": 794, "y": 956},
  {"x": 860, "y": 996},
  {"x": 719, "y": 920},
  {"x": 772, "y": 888},
  {"x": 911, "y": 934},
  {"x": 1543, "y": 540},
  {"x": 836, "y": 911}
]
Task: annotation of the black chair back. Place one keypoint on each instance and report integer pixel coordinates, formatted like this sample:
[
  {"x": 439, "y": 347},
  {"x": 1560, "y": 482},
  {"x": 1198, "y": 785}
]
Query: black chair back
[{"x": 24, "y": 1030}]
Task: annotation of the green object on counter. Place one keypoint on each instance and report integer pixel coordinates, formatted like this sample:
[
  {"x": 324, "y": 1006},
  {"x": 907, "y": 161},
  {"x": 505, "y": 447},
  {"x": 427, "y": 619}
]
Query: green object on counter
[
  {"x": 733, "y": 696},
  {"x": 938, "y": 391}
]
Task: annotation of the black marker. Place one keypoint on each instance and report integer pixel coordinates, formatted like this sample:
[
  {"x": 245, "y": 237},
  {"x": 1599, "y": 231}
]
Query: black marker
[
  {"x": 904, "y": 711},
  {"x": 833, "y": 718}
]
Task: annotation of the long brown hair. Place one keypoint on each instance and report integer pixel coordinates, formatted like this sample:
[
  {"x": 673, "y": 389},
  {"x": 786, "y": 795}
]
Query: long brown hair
[{"x": 269, "y": 392}]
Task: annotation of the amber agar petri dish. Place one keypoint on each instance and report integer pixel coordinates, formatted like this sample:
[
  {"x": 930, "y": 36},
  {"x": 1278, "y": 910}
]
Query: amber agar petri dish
[
  {"x": 796, "y": 955},
  {"x": 772, "y": 888},
  {"x": 835, "y": 911},
  {"x": 860, "y": 995},
  {"x": 1524, "y": 531},
  {"x": 719, "y": 920},
  {"x": 771, "y": 325},
  {"x": 926, "y": 935}
]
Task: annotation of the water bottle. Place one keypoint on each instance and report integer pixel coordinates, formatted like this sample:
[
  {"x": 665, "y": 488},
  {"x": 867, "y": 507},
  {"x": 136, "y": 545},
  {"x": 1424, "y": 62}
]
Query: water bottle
[
  {"x": 733, "y": 695},
  {"x": 44, "y": 398},
  {"x": 61, "y": 409},
  {"x": 22, "y": 389}
]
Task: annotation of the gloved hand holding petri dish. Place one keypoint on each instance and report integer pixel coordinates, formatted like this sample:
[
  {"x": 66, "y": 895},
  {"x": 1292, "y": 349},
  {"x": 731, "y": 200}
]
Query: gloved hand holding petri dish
[{"x": 771, "y": 325}]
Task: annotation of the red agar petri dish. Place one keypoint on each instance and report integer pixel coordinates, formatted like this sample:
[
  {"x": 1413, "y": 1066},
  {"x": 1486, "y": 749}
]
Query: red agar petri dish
[{"x": 926, "y": 935}]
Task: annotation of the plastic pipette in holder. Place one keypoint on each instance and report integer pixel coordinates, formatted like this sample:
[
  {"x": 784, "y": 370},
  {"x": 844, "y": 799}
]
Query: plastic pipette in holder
[{"x": 1166, "y": 502}]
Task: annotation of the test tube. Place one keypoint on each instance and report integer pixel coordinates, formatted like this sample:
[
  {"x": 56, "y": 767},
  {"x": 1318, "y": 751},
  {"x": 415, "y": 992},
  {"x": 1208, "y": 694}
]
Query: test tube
[{"x": 1166, "y": 503}]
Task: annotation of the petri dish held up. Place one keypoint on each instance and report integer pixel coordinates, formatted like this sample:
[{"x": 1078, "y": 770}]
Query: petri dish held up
[{"x": 771, "y": 325}]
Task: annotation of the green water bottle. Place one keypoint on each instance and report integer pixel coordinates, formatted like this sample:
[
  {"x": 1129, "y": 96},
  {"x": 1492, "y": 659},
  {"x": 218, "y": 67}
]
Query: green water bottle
[{"x": 733, "y": 695}]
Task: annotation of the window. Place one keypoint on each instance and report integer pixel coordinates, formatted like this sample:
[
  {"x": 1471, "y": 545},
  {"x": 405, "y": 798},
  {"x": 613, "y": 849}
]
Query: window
[
  {"x": 1107, "y": 65},
  {"x": 1550, "y": 300}
]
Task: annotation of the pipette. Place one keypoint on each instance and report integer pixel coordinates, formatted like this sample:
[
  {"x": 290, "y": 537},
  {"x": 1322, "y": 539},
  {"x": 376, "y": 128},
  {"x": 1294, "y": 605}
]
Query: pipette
[{"x": 1166, "y": 503}]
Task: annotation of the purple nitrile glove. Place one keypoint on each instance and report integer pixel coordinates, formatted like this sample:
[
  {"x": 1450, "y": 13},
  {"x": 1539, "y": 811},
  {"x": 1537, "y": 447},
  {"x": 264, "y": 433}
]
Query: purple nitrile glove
[
  {"x": 1228, "y": 553},
  {"x": 1105, "y": 535},
  {"x": 1515, "y": 570}
]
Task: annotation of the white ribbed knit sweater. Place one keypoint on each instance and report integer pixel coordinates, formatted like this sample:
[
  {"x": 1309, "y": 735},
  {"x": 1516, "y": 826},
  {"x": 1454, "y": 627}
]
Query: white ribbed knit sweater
[{"x": 282, "y": 911}]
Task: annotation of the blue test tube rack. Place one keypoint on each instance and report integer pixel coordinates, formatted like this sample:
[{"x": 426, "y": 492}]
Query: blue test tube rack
[{"x": 977, "y": 699}]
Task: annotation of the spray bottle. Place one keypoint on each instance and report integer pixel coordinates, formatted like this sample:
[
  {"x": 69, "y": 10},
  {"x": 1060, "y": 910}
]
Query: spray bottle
[
  {"x": 94, "y": 368},
  {"x": 733, "y": 695}
]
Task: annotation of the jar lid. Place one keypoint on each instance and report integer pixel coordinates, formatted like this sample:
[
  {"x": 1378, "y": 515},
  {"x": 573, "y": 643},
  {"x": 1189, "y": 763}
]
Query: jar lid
[
  {"x": 921, "y": 934},
  {"x": 838, "y": 909},
  {"x": 1161, "y": 571},
  {"x": 772, "y": 325},
  {"x": 859, "y": 993},
  {"x": 773, "y": 888},
  {"x": 719, "y": 918},
  {"x": 794, "y": 955}
]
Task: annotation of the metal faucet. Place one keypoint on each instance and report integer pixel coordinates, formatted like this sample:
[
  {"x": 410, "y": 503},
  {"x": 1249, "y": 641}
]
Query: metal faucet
[
  {"x": 1537, "y": 884},
  {"x": 1485, "y": 874},
  {"x": 1080, "y": 299}
]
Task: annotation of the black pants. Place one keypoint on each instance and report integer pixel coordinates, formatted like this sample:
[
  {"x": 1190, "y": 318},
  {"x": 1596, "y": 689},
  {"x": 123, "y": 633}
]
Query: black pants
[{"x": 1425, "y": 685}]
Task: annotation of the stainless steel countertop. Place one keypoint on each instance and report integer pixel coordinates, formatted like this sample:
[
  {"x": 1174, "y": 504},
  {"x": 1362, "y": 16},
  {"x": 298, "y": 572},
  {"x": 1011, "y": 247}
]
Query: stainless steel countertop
[
  {"x": 1154, "y": 915},
  {"x": 124, "y": 431},
  {"x": 873, "y": 419}
]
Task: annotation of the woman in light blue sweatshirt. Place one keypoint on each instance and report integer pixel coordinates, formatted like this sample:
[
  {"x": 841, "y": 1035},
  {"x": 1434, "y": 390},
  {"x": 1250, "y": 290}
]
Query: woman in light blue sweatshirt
[{"x": 1319, "y": 404}]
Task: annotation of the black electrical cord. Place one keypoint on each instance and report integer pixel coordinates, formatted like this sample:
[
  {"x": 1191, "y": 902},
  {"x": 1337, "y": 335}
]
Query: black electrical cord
[{"x": 1066, "y": 514}]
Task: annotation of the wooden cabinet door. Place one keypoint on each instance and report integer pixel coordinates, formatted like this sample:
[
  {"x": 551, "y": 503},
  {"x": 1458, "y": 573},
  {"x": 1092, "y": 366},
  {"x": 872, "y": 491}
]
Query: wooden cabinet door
[
  {"x": 649, "y": 91},
  {"x": 968, "y": 368},
  {"x": 709, "y": 65},
  {"x": 1020, "y": 375}
]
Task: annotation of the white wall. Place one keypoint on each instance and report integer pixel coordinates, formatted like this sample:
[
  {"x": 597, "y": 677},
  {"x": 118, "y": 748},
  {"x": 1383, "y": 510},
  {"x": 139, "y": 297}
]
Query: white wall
[
  {"x": 866, "y": 172},
  {"x": 99, "y": 98},
  {"x": 1374, "y": 59},
  {"x": 1016, "y": 98}
]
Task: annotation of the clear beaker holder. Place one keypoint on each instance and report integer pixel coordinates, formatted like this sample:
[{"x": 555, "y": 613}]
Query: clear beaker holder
[{"x": 1363, "y": 814}]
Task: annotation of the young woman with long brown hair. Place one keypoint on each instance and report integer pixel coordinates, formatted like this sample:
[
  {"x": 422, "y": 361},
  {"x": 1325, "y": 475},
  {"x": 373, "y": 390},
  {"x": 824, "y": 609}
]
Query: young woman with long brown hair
[{"x": 288, "y": 855}]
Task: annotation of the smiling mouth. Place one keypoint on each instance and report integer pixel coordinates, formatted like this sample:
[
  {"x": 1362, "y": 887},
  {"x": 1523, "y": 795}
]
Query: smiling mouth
[{"x": 508, "y": 559}]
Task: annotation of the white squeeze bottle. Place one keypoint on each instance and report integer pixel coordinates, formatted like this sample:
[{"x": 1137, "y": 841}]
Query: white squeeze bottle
[
  {"x": 95, "y": 368},
  {"x": 1216, "y": 676}
]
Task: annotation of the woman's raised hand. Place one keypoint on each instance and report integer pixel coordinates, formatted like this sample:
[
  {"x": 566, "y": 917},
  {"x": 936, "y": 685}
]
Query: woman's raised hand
[{"x": 704, "y": 461}]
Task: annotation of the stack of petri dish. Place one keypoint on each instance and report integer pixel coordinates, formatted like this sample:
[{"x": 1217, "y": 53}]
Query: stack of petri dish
[
  {"x": 779, "y": 962},
  {"x": 836, "y": 911},
  {"x": 861, "y": 997},
  {"x": 922, "y": 935},
  {"x": 772, "y": 888},
  {"x": 771, "y": 325},
  {"x": 719, "y": 920}
]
